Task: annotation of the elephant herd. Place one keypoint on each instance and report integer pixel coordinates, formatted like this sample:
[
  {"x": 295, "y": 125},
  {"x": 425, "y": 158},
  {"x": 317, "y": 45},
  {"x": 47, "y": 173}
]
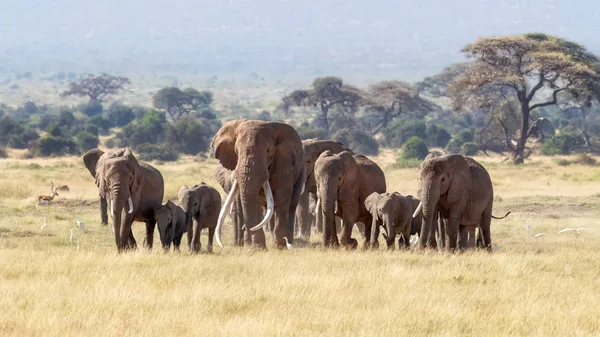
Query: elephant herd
[{"x": 277, "y": 182}]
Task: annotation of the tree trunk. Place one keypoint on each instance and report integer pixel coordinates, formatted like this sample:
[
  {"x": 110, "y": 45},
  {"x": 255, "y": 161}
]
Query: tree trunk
[
  {"x": 325, "y": 116},
  {"x": 520, "y": 148}
]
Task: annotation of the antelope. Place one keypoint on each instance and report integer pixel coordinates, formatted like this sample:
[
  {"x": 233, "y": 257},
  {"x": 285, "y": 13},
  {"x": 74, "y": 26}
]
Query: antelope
[
  {"x": 47, "y": 198},
  {"x": 63, "y": 188}
]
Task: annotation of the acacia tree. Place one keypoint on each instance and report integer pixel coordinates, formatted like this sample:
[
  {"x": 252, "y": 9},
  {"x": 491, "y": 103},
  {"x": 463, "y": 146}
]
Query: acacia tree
[
  {"x": 96, "y": 88},
  {"x": 327, "y": 93},
  {"x": 529, "y": 68},
  {"x": 389, "y": 99},
  {"x": 177, "y": 102}
]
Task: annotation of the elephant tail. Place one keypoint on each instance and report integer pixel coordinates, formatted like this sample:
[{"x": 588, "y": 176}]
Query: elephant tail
[{"x": 499, "y": 218}]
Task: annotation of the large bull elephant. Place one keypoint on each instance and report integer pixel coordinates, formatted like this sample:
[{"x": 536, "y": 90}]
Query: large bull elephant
[
  {"x": 134, "y": 191},
  {"x": 90, "y": 159},
  {"x": 267, "y": 160},
  {"x": 312, "y": 149},
  {"x": 460, "y": 189},
  {"x": 348, "y": 179}
]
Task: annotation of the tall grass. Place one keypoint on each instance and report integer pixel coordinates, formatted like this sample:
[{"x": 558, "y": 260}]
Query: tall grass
[{"x": 526, "y": 287}]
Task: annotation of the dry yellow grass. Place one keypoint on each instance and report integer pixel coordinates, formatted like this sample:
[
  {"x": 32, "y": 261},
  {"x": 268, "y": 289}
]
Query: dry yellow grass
[{"x": 528, "y": 287}]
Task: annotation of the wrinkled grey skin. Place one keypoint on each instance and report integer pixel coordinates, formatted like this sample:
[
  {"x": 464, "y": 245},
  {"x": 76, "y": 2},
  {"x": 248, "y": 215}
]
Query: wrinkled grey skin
[
  {"x": 201, "y": 204},
  {"x": 396, "y": 212},
  {"x": 460, "y": 189},
  {"x": 312, "y": 149},
  {"x": 170, "y": 219},
  {"x": 348, "y": 179},
  {"x": 120, "y": 176}
]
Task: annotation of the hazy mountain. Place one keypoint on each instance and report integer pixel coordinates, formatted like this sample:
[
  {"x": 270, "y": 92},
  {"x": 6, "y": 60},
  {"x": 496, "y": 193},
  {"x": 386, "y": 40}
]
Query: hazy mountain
[{"x": 378, "y": 38}]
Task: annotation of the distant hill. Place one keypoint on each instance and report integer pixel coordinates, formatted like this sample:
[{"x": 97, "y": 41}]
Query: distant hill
[{"x": 375, "y": 38}]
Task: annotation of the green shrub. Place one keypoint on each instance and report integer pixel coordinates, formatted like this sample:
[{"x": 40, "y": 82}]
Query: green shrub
[
  {"x": 562, "y": 143},
  {"x": 407, "y": 163},
  {"x": 469, "y": 149},
  {"x": 402, "y": 129},
  {"x": 120, "y": 115},
  {"x": 92, "y": 108},
  {"x": 454, "y": 145},
  {"x": 358, "y": 141},
  {"x": 52, "y": 145},
  {"x": 414, "y": 148},
  {"x": 156, "y": 152},
  {"x": 86, "y": 141}
]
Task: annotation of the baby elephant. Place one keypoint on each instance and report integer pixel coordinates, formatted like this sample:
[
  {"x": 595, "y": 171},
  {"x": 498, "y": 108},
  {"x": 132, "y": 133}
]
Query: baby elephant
[
  {"x": 201, "y": 204},
  {"x": 396, "y": 212},
  {"x": 171, "y": 224}
]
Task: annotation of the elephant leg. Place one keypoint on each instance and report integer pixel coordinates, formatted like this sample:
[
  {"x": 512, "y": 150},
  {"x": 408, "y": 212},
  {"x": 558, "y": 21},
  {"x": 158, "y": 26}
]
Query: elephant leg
[
  {"x": 150, "y": 225},
  {"x": 404, "y": 240},
  {"x": 196, "y": 229},
  {"x": 472, "y": 237},
  {"x": 297, "y": 189},
  {"x": 368, "y": 228},
  {"x": 176, "y": 244},
  {"x": 303, "y": 216},
  {"x": 127, "y": 241},
  {"x": 484, "y": 228},
  {"x": 347, "y": 241},
  {"x": 452, "y": 227},
  {"x": 103, "y": 211},
  {"x": 211, "y": 234},
  {"x": 463, "y": 239},
  {"x": 189, "y": 237},
  {"x": 319, "y": 220},
  {"x": 131, "y": 244},
  {"x": 338, "y": 224},
  {"x": 375, "y": 227}
]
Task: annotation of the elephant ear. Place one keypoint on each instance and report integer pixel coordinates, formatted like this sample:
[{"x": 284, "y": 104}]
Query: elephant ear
[
  {"x": 137, "y": 176},
  {"x": 223, "y": 144},
  {"x": 100, "y": 175},
  {"x": 90, "y": 160},
  {"x": 350, "y": 167},
  {"x": 460, "y": 180},
  {"x": 371, "y": 204}
]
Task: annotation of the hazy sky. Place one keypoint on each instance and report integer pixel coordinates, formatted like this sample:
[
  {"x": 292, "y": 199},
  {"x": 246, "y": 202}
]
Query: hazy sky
[{"x": 412, "y": 38}]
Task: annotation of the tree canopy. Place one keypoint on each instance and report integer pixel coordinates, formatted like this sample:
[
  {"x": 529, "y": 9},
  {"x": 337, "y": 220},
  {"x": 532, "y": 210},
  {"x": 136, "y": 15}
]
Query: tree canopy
[
  {"x": 96, "y": 88},
  {"x": 177, "y": 102},
  {"x": 531, "y": 68}
]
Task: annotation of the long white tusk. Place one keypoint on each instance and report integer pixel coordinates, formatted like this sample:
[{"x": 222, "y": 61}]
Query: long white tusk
[
  {"x": 130, "y": 205},
  {"x": 112, "y": 208},
  {"x": 303, "y": 188},
  {"x": 231, "y": 209},
  {"x": 317, "y": 206},
  {"x": 222, "y": 214},
  {"x": 270, "y": 207},
  {"x": 418, "y": 209},
  {"x": 335, "y": 207}
]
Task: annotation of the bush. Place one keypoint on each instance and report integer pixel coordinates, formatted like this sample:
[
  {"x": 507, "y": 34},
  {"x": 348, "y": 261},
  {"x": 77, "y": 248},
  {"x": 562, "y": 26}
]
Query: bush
[
  {"x": 86, "y": 141},
  {"x": 407, "y": 163},
  {"x": 469, "y": 149},
  {"x": 584, "y": 159},
  {"x": 52, "y": 145},
  {"x": 437, "y": 136},
  {"x": 190, "y": 135},
  {"x": 156, "y": 152},
  {"x": 92, "y": 108},
  {"x": 454, "y": 145},
  {"x": 414, "y": 148},
  {"x": 3, "y": 153},
  {"x": 101, "y": 123},
  {"x": 120, "y": 115},
  {"x": 358, "y": 141},
  {"x": 400, "y": 130},
  {"x": 110, "y": 143},
  {"x": 562, "y": 143},
  {"x": 306, "y": 131}
]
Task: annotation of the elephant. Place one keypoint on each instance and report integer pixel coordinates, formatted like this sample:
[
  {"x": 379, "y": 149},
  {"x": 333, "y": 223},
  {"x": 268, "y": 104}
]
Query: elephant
[
  {"x": 396, "y": 212},
  {"x": 461, "y": 190},
  {"x": 348, "y": 180},
  {"x": 415, "y": 226},
  {"x": 134, "y": 191},
  {"x": 312, "y": 149},
  {"x": 201, "y": 204},
  {"x": 267, "y": 160},
  {"x": 170, "y": 219},
  {"x": 90, "y": 159}
]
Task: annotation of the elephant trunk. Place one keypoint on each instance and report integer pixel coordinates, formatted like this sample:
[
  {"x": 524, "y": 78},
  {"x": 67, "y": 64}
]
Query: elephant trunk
[
  {"x": 119, "y": 197},
  {"x": 250, "y": 184},
  {"x": 327, "y": 198},
  {"x": 429, "y": 207},
  {"x": 389, "y": 225}
]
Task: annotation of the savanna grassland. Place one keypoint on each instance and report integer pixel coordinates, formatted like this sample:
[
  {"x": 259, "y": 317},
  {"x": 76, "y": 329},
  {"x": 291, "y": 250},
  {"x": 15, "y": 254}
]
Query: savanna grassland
[{"x": 526, "y": 287}]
